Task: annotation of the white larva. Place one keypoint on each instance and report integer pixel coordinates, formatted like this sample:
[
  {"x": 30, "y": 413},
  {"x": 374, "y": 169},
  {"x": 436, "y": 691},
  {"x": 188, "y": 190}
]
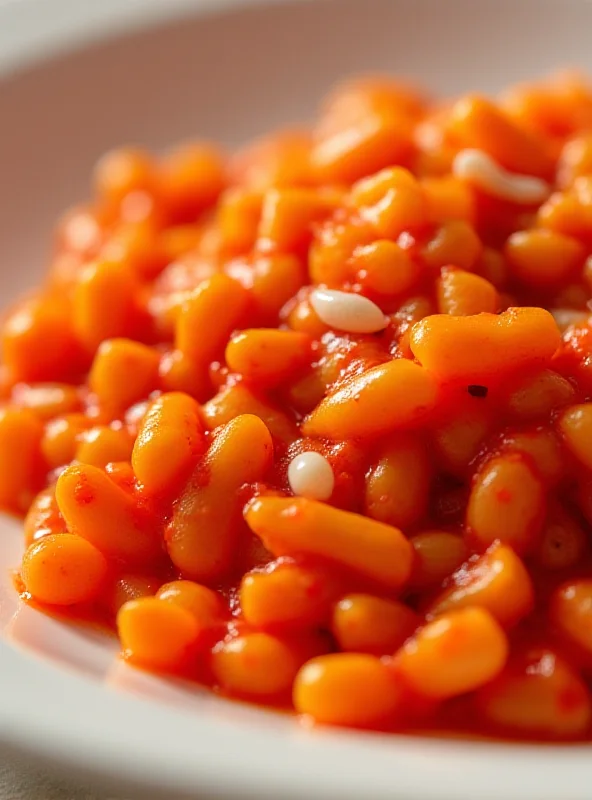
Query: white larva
[
  {"x": 310, "y": 475},
  {"x": 481, "y": 170},
  {"x": 346, "y": 311}
]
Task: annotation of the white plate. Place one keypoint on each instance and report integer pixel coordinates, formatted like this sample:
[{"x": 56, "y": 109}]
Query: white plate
[{"x": 225, "y": 69}]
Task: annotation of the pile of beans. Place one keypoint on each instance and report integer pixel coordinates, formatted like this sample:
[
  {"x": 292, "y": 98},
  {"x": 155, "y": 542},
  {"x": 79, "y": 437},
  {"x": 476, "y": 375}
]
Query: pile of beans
[{"x": 311, "y": 424}]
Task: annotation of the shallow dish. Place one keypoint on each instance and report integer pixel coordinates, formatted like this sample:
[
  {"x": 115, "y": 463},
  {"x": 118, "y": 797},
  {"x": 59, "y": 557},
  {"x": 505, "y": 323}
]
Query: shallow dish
[{"x": 158, "y": 72}]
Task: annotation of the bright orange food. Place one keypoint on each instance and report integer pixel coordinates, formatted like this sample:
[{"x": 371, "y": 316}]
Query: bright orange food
[{"x": 312, "y": 424}]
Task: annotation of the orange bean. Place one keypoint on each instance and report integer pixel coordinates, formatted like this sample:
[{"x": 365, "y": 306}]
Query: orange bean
[
  {"x": 538, "y": 694},
  {"x": 565, "y": 213},
  {"x": 119, "y": 173},
  {"x": 38, "y": 343},
  {"x": 358, "y": 146},
  {"x": 398, "y": 483},
  {"x": 20, "y": 463},
  {"x": 394, "y": 395},
  {"x": 437, "y": 555},
  {"x": 139, "y": 248},
  {"x": 104, "y": 303},
  {"x": 448, "y": 198},
  {"x": 61, "y": 438},
  {"x": 507, "y": 502},
  {"x": 98, "y": 510},
  {"x": 201, "y": 535},
  {"x": 478, "y": 123},
  {"x": 455, "y": 242},
  {"x": 537, "y": 394},
  {"x": 462, "y": 293},
  {"x": 475, "y": 349},
  {"x": 125, "y": 587},
  {"x": 541, "y": 258},
  {"x": 575, "y": 426},
  {"x": 287, "y": 525},
  {"x": 569, "y": 611},
  {"x": 400, "y": 206},
  {"x": 239, "y": 212},
  {"x": 385, "y": 268},
  {"x": 498, "y": 582},
  {"x": 254, "y": 665},
  {"x": 351, "y": 689},
  {"x": 468, "y": 646},
  {"x": 43, "y": 517},
  {"x": 170, "y": 440},
  {"x": 239, "y": 399},
  {"x": 46, "y": 400},
  {"x": 334, "y": 244},
  {"x": 575, "y": 160},
  {"x": 217, "y": 306},
  {"x": 272, "y": 280},
  {"x": 268, "y": 357},
  {"x": 156, "y": 634},
  {"x": 63, "y": 569},
  {"x": 459, "y": 434},
  {"x": 192, "y": 175},
  {"x": 364, "y": 623},
  {"x": 103, "y": 444},
  {"x": 286, "y": 595},
  {"x": 564, "y": 541},
  {"x": 205, "y": 604},
  {"x": 123, "y": 372},
  {"x": 287, "y": 217},
  {"x": 544, "y": 449}
]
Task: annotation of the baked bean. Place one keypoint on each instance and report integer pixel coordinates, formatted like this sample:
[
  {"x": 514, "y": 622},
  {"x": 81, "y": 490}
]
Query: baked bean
[
  {"x": 268, "y": 357},
  {"x": 377, "y": 551},
  {"x": 538, "y": 694},
  {"x": 437, "y": 555},
  {"x": 170, "y": 440},
  {"x": 394, "y": 395},
  {"x": 575, "y": 426},
  {"x": 398, "y": 483},
  {"x": 156, "y": 634},
  {"x": 63, "y": 569},
  {"x": 543, "y": 258},
  {"x": 286, "y": 594},
  {"x": 363, "y": 623},
  {"x": 123, "y": 372},
  {"x": 569, "y": 611},
  {"x": 462, "y": 293},
  {"x": 476, "y": 348},
  {"x": 352, "y": 689},
  {"x": 98, "y": 510},
  {"x": 507, "y": 502},
  {"x": 469, "y": 647},
  {"x": 43, "y": 517},
  {"x": 103, "y": 444},
  {"x": 254, "y": 665},
  {"x": 217, "y": 306},
  {"x": 204, "y": 604},
  {"x": 498, "y": 582},
  {"x": 202, "y": 532},
  {"x": 20, "y": 464}
]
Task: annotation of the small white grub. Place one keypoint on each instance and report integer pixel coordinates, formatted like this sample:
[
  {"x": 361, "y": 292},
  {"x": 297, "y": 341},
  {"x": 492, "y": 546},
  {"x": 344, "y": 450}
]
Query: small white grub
[
  {"x": 310, "y": 475},
  {"x": 481, "y": 170},
  {"x": 346, "y": 311}
]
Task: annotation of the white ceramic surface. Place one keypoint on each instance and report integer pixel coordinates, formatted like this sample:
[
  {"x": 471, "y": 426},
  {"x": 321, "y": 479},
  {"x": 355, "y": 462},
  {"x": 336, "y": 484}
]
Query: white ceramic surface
[{"x": 225, "y": 69}]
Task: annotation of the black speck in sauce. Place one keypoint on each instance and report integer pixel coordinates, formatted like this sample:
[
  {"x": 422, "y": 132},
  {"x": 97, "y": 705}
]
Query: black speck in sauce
[{"x": 475, "y": 390}]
